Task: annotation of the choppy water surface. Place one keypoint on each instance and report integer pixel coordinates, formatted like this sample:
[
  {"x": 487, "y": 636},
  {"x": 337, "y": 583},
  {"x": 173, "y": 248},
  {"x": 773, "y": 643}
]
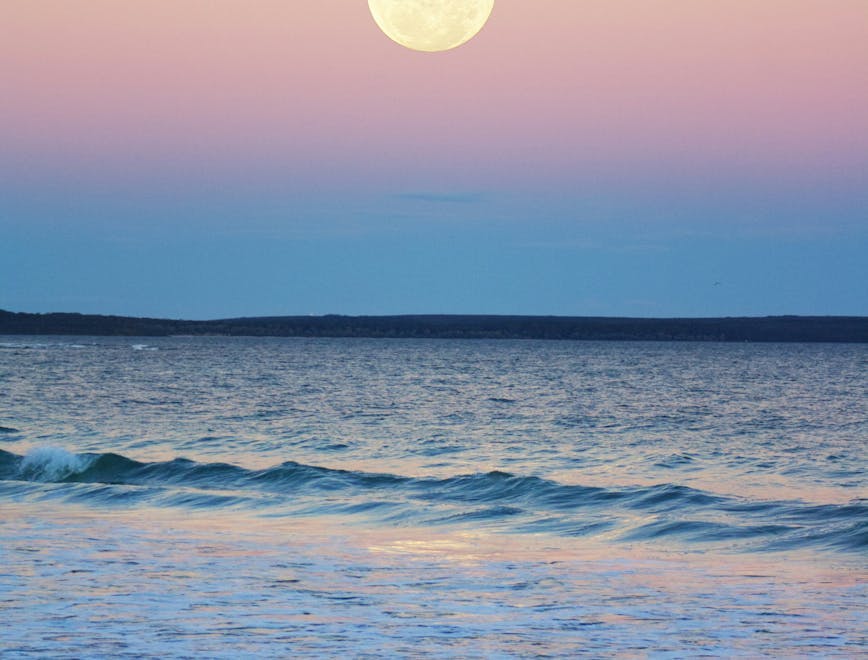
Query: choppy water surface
[{"x": 213, "y": 496}]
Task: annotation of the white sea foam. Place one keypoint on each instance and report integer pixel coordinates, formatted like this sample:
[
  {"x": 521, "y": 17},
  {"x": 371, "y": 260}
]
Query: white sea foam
[
  {"x": 51, "y": 464},
  {"x": 19, "y": 344},
  {"x": 38, "y": 345}
]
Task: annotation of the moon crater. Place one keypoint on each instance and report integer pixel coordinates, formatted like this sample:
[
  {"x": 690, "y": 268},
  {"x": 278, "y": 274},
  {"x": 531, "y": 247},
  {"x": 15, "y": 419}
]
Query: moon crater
[{"x": 431, "y": 25}]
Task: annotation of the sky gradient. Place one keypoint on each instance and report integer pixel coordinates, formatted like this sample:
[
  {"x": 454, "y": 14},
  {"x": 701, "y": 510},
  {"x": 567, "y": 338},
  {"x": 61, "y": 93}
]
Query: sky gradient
[{"x": 204, "y": 159}]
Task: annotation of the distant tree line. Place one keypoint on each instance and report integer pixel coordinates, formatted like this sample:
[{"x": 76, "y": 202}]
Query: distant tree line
[{"x": 731, "y": 329}]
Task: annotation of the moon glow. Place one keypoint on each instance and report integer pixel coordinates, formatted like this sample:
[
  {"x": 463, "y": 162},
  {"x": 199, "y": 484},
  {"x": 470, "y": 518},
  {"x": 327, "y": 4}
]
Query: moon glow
[{"x": 431, "y": 25}]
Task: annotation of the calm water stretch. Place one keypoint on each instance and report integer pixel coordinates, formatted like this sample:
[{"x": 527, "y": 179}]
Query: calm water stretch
[{"x": 215, "y": 497}]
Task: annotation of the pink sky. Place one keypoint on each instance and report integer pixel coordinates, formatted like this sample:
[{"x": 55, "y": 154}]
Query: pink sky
[{"x": 550, "y": 90}]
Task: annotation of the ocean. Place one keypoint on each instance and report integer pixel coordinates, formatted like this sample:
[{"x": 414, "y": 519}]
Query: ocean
[{"x": 233, "y": 497}]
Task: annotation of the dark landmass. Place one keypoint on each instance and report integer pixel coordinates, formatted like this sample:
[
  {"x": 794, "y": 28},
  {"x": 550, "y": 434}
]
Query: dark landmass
[{"x": 449, "y": 326}]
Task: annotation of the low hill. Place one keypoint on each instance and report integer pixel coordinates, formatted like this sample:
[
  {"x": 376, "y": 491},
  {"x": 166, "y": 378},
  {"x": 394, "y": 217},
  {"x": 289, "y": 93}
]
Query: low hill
[{"x": 759, "y": 329}]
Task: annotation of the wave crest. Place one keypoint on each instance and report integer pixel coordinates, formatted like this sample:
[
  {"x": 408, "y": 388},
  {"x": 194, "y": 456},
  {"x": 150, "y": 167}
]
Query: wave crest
[{"x": 52, "y": 464}]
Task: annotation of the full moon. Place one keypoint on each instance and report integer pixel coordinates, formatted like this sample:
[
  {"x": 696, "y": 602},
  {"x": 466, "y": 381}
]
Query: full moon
[{"x": 431, "y": 25}]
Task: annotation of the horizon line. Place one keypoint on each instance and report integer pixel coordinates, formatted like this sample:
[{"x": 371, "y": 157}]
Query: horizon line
[{"x": 445, "y": 315}]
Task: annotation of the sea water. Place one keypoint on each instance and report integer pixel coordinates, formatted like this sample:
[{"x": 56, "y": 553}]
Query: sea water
[{"x": 225, "y": 497}]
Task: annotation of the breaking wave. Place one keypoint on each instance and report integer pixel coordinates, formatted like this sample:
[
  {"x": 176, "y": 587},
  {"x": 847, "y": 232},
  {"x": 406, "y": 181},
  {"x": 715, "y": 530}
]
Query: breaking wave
[{"x": 500, "y": 500}]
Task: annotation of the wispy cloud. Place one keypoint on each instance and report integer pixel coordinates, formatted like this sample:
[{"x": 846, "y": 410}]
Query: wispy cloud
[
  {"x": 442, "y": 198},
  {"x": 597, "y": 245}
]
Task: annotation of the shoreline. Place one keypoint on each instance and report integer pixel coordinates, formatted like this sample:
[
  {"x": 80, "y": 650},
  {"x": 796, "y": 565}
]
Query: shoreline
[{"x": 835, "y": 329}]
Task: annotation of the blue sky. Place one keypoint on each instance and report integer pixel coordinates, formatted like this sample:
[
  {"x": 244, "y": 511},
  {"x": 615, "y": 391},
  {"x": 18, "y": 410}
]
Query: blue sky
[{"x": 213, "y": 256}]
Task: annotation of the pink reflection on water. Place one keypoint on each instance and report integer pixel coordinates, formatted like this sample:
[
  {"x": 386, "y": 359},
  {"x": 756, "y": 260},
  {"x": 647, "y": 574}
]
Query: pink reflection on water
[{"x": 187, "y": 582}]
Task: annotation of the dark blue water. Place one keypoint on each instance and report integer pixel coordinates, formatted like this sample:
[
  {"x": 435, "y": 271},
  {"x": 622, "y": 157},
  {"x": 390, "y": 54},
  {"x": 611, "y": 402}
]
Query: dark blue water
[{"x": 441, "y": 497}]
